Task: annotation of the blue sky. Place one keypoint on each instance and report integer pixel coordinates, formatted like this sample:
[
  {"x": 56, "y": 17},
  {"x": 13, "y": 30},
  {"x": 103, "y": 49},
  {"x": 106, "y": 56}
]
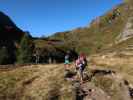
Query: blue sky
[{"x": 45, "y": 17}]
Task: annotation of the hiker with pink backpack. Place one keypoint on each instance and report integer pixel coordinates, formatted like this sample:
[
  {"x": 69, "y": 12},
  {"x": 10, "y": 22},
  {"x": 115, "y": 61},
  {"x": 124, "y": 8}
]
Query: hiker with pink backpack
[{"x": 80, "y": 65}]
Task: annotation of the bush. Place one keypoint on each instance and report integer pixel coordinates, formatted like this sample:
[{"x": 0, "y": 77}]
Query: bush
[{"x": 25, "y": 51}]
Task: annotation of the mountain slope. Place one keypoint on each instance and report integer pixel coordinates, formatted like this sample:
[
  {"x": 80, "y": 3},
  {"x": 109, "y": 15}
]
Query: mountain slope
[
  {"x": 8, "y": 30},
  {"x": 101, "y": 34},
  {"x": 10, "y": 36}
]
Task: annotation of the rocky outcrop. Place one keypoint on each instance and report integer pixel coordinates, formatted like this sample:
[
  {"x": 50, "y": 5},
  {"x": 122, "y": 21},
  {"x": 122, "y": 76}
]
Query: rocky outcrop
[{"x": 127, "y": 31}]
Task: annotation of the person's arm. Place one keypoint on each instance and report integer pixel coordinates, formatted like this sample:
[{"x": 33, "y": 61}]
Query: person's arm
[{"x": 75, "y": 63}]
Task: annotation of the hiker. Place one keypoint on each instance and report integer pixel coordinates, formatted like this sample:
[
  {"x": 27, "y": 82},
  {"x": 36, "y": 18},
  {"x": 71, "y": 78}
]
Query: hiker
[
  {"x": 80, "y": 65},
  {"x": 67, "y": 61}
]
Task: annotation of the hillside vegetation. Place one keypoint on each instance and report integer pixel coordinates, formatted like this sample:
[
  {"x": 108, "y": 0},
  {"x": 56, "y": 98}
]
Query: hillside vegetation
[
  {"x": 101, "y": 34},
  {"x": 105, "y": 33}
]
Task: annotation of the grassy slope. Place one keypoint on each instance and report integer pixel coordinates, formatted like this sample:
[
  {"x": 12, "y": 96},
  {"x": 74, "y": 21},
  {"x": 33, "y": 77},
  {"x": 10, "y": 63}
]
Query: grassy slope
[
  {"x": 98, "y": 36},
  {"x": 42, "y": 82},
  {"x": 123, "y": 46},
  {"x": 34, "y": 82}
]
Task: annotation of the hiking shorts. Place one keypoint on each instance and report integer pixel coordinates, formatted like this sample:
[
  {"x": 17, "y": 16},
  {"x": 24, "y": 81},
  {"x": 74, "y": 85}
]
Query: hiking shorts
[{"x": 81, "y": 68}]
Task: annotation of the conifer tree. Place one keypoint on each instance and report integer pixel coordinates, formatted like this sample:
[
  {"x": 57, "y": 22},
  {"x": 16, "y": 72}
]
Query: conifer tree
[{"x": 25, "y": 50}]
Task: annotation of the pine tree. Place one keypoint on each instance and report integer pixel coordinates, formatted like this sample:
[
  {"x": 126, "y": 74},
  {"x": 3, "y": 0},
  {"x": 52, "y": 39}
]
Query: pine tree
[{"x": 25, "y": 51}]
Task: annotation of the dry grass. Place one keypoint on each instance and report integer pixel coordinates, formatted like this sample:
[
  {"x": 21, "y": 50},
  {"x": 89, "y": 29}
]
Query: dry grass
[
  {"x": 46, "y": 82},
  {"x": 11, "y": 82},
  {"x": 35, "y": 82},
  {"x": 122, "y": 65},
  {"x": 113, "y": 85}
]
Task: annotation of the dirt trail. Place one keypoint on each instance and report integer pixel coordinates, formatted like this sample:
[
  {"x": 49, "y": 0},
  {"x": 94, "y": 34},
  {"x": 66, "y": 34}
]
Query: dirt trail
[
  {"x": 88, "y": 91},
  {"x": 95, "y": 93}
]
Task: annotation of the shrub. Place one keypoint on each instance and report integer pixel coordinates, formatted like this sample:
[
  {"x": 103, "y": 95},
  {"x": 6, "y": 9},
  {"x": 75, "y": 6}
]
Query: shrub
[{"x": 25, "y": 51}]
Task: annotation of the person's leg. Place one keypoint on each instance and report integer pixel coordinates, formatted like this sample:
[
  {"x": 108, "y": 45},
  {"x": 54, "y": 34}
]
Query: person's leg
[
  {"x": 78, "y": 74},
  {"x": 66, "y": 66},
  {"x": 67, "y": 62},
  {"x": 81, "y": 75}
]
